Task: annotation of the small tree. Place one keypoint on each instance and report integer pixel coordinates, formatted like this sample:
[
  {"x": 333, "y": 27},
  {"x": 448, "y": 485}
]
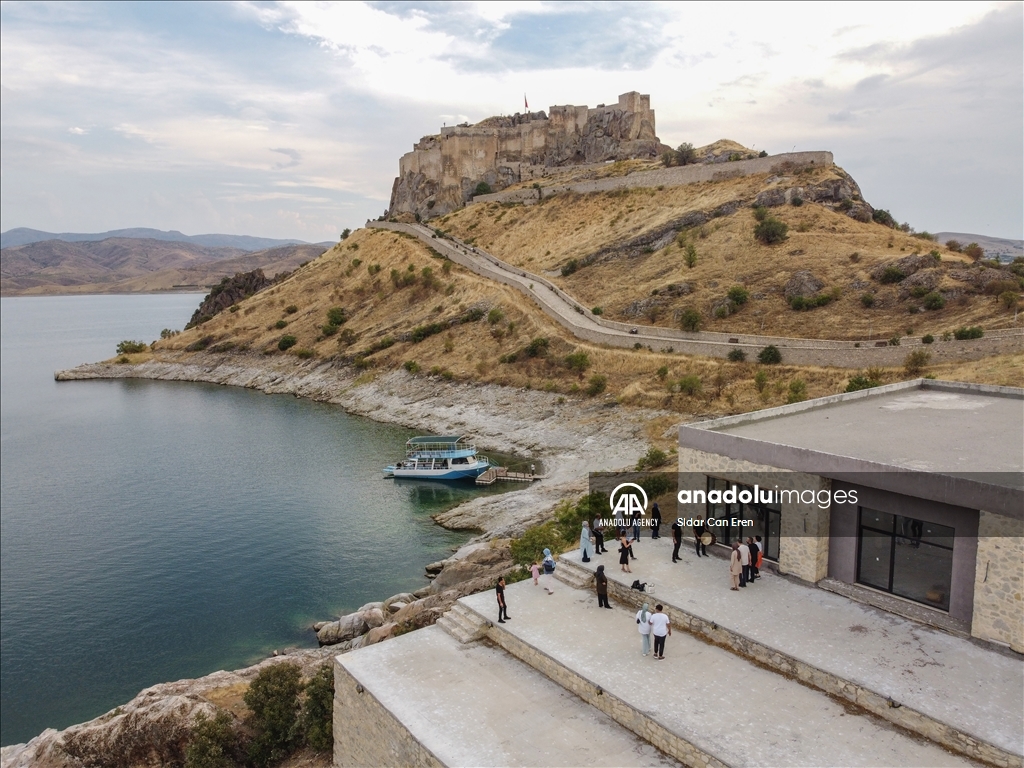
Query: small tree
[
  {"x": 483, "y": 188},
  {"x": 974, "y": 251},
  {"x": 884, "y": 218},
  {"x": 213, "y": 743},
  {"x": 769, "y": 355},
  {"x": 690, "y": 256},
  {"x": 760, "y": 380},
  {"x": 797, "y": 391},
  {"x": 690, "y": 320},
  {"x": 345, "y": 233},
  {"x": 933, "y": 300},
  {"x": 273, "y": 700},
  {"x": 686, "y": 154},
  {"x": 738, "y": 294},
  {"x": 129, "y": 347},
  {"x": 317, "y": 710},
  {"x": 654, "y": 458},
  {"x": 1009, "y": 299},
  {"x": 954, "y": 245},
  {"x": 691, "y": 385},
  {"x": 737, "y": 355},
  {"x": 916, "y": 362},
  {"x": 771, "y": 230}
]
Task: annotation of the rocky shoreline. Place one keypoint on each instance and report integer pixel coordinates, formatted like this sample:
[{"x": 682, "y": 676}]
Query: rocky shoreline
[{"x": 572, "y": 437}]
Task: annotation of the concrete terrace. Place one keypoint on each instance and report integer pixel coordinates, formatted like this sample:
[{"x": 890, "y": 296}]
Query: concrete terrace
[{"x": 949, "y": 680}]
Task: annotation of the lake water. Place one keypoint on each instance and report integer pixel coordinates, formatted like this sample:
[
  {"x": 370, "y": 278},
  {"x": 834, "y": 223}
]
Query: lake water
[{"x": 153, "y": 531}]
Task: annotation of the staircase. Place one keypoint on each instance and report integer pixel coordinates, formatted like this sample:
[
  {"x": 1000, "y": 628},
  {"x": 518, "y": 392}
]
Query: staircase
[
  {"x": 463, "y": 624},
  {"x": 572, "y": 575}
]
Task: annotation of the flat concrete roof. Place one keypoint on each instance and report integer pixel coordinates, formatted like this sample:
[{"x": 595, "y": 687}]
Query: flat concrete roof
[{"x": 967, "y": 431}]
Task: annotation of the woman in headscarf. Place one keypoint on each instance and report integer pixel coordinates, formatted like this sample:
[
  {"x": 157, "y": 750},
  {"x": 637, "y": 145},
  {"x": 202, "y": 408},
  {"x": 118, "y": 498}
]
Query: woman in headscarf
[
  {"x": 644, "y": 626},
  {"x": 548, "y": 564},
  {"x": 735, "y": 566},
  {"x": 601, "y": 582},
  {"x": 586, "y": 546}
]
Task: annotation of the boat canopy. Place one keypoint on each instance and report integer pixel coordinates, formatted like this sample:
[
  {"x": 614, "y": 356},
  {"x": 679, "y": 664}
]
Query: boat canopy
[
  {"x": 435, "y": 439},
  {"x": 439, "y": 446}
]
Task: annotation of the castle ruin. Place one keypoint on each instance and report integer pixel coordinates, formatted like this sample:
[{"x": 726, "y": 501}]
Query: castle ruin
[{"x": 443, "y": 171}]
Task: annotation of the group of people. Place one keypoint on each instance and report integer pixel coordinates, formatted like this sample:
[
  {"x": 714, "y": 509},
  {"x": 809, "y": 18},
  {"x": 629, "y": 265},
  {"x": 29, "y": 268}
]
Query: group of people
[
  {"x": 592, "y": 538},
  {"x": 745, "y": 562}
]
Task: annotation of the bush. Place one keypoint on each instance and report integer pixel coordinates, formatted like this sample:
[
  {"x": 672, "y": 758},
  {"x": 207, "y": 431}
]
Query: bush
[
  {"x": 577, "y": 361},
  {"x": 686, "y": 154},
  {"x": 916, "y": 362},
  {"x": 797, "y": 391},
  {"x": 317, "y": 710},
  {"x": 762, "y": 153},
  {"x": 954, "y": 245},
  {"x": 860, "y": 381},
  {"x": 662, "y": 372},
  {"x": 654, "y": 458},
  {"x": 690, "y": 385},
  {"x": 200, "y": 345},
  {"x": 421, "y": 332},
  {"x": 803, "y": 303},
  {"x": 129, "y": 347},
  {"x": 214, "y": 743},
  {"x": 771, "y": 231},
  {"x": 328, "y": 329},
  {"x": 690, "y": 256},
  {"x": 918, "y": 291},
  {"x": 597, "y": 384},
  {"x": 934, "y": 300},
  {"x": 286, "y": 342},
  {"x": 483, "y": 188},
  {"x": 345, "y": 233},
  {"x": 760, "y": 380},
  {"x": 891, "y": 274},
  {"x": 770, "y": 355},
  {"x": 336, "y": 316},
  {"x": 373, "y": 269},
  {"x": 570, "y": 267},
  {"x": 968, "y": 332},
  {"x": 894, "y": 341},
  {"x": 597, "y": 311},
  {"x": 273, "y": 700},
  {"x": 690, "y": 320},
  {"x": 167, "y": 333},
  {"x": 884, "y": 218},
  {"x": 797, "y": 201},
  {"x": 737, "y": 355},
  {"x": 538, "y": 347},
  {"x": 495, "y": 316},
  {"x": 722, "y": 311},
  {"x": 760, "y": 213},
  {"x": 281, "y": 324},
  {"x": 867, "y": 300},
  {"x": 411, "y": 366},
  {"x": 1009, "y": 299},
  {"x": 291, "y": 309},
  {"x": 738, "y": 294},
  {"x": 304, "y": 354},
  {"x": 927, "y": 339},
  {"x": 975, "y": 251},
  {"x": 529, "y": 548}
]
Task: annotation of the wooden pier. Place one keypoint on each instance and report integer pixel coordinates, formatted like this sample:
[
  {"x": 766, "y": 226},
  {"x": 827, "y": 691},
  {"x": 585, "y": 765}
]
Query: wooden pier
[{"x": 496, "y": 474}]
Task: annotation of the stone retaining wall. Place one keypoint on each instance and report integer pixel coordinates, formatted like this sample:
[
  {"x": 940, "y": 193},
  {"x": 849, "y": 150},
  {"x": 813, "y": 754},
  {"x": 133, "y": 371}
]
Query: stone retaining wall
[
  {"x": 884, "y": 707},
  {"x": 999, "y": 582},
  {"x": 366, "y": 733}
]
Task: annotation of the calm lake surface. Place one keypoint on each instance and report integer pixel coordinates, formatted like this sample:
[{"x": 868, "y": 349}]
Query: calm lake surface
[{"x": 153, "y": 531}]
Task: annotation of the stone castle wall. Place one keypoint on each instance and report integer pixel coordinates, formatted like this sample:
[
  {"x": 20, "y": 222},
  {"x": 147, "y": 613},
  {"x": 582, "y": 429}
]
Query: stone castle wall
[{"x": 443, "y": 170}]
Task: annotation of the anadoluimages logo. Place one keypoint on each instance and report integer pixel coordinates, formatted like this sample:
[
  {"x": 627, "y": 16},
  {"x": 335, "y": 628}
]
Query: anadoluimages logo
[{"x": 628, "y": 500}]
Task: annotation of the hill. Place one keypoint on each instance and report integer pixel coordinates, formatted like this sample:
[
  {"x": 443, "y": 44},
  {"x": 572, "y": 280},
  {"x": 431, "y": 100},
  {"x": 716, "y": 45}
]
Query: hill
[
  {"x": 128, "y": 265},
  {"x": 24, "y": 236},
  {"x": 1001, "y": 248}
]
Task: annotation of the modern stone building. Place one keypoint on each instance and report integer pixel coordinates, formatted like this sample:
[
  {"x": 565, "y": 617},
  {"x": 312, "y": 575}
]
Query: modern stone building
[
  {"x": 923, "y": 491},
  {"x": 443, "y": 170}
]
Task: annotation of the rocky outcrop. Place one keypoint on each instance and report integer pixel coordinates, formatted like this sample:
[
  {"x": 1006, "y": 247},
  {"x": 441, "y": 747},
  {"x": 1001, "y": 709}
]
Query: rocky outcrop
[
  {"x": 228, "y": 292},
  {"x": 802, "y": 283},
  {"x": 906, "y": 266}
]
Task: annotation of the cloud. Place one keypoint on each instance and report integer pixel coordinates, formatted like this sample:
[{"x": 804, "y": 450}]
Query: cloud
[{"x": 293, "y": 155}]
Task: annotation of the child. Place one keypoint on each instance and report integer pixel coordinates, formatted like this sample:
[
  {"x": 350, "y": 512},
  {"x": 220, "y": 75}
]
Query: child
[{"x": 535, "y": 570}]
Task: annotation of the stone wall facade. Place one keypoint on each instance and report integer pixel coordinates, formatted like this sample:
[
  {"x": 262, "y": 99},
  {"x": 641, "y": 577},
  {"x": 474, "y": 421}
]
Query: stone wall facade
[
  {"x": 443, "y": 170},
  {"x": 366, "y": 733},
  {"x": 999, "y": 582}
]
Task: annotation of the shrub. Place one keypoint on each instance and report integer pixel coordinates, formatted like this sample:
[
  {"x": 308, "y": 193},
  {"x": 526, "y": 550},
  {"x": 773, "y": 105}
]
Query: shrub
[
  {"x": 373, "y": 269},
  {"x": 529, "y": 548},
  {"x": 129, "y": 347},
  {"x": 654, "y": 458},
  {"x": 771, "y": 231},
  {"x": 304, "y": 354},
  {"x": 916, "y": 362},
  {"x": 483, "y": 188},
  {"x": 770, "y": 355},
  {"x": 918, "y": 291},
  {"x": 738, "y": 294},
  {"x": 927, "y": 339},
  {"x": 281, "y": 324},
  {"x": 597, "y": 384},
  {"x": 762, "y": 153},
  {"x": 577, "y": 361},
  {"x": 797, "y": 391},
  {"x": 737, "y": 355},
  {"x": 421, "y": 332},
  {"x": 273, "y": 700},
  {"x": 797, "y": 201},
  {"x": 934, "y": 300},
  {"x": 509, "y": 358},
  {"x": 200, "y": 345},
  {"x": 495, "y": 316},
  {"x": 662, "y": 372},
  {"x": 328, "y": 329},
  {"x": 167, "y": 333},
  {"x": 722, "y": 311},
  {"x": 855, "y": 257},
  {"x": 691, "y": 384},
  {"x": 690, "y": 256},
  {"x": 336, "y": 316},
  {"x": 975, "y": 251},
  {"x": 868, "y": 300},
  {"x": 760, "y": 380},
  {"x": 1009, "y": 299},
  {"x": 760, "y": 213},
  {"x": 345, "y": 233},
  {"x": 690, "y": 320},
  {"x": 925, "y": 236},
  {"x": 884, "y": 218},
  {"x": 570, "y": 267},
  {"x": 891, "y": 274},
  {"x": 213, "y": 743},
  {"x": 802, "y": 303},
  {"x": 968, "y": 332},
  {"x": 954, "y": 245},
  {"x": 316, "y": 720},
  {"x": 597, "y": 311},
  {"x": 286, "y": 342},
  {"x": 472, "y": 315},
  {"x": 860, "y": 381},
  {"x": 411, "y": 366},
  {"x": 291, "y": 309},
  {"x": 894, "y": 341},
  {"x": 347, "y": 338},
  {"x": 537, "y": 347}
]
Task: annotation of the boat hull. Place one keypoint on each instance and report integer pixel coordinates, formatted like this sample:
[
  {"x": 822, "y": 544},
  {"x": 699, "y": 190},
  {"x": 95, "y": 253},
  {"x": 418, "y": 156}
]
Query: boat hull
[{"x": 467, "y": 472}]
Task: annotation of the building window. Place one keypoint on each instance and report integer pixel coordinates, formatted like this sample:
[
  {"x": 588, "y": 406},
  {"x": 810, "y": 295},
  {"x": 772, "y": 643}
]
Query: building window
[
  {"x": 767, "y": 519},
  {"x": 905, "y": 556}
]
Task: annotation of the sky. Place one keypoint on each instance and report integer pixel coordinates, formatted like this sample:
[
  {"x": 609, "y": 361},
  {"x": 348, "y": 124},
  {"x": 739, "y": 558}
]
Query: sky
[{"x": 288, "y": 119}]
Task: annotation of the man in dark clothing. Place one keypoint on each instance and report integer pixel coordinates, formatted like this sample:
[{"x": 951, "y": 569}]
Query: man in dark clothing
[
  {"x": 502, "y": 608},
  {"x": 698, "y": 541},
  {"x": 677, "y": 540},
  {"x": 754, "y": 549},
  {"x": 656, "y": 521},
  {"x": 599, "y": 547}
]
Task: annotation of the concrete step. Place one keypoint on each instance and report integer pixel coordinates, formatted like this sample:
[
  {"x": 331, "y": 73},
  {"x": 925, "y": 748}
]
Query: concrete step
[
  {"x": 944, "y": 688},
  {"x": 702, "y": 704},
  {"x": 425, "y": 699},
  {"x": 574, "y": 576},
  {"x": 462, "y": 624}
]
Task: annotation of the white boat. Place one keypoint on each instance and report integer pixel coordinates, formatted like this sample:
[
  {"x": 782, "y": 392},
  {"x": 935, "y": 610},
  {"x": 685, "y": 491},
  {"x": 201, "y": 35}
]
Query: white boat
[{"x": 439, "y": 457}]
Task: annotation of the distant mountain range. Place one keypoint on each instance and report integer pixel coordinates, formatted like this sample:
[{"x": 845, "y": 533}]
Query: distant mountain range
[
  {"x": 995, "y": 247},
  {"x": 25, "y": 236},
  {"x": 137, "y": 265}
]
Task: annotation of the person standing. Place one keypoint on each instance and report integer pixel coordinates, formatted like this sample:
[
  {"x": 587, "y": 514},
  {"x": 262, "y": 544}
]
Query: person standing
[
  {"x": 760, "y": 557},
  {"x": 745, "y": 563},
  {"x": 586, "y": 545},
  {"x": 535, "y": 572},
  {"x": 644, "y": 626},
  {"x": 735, "y": 567},
  {"x": 661, "y": 628},
  {"x": 548, "y": 565},
  {"x": 599, "y": 547},
  {"x": 601, "y": 582},
  {"x": 754, "y": 552},
  {"x": 677, "y": 540},
  {"x": 698, "y": 539},
  {"x": 624, "y": 553},
  {"x": 636, "y": 535},
  {"x": 656, "y": 521},
  {"x": 502, "y": 608}
]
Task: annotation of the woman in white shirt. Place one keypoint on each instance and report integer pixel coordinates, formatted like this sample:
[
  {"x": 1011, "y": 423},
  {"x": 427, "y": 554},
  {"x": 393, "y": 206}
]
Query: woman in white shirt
[{"x": 643, "y": 624}]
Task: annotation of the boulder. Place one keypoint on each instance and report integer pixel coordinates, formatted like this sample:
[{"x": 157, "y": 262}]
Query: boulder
[
  {"x": 908, "y": 265},
  {"x": 396, "y": 606},
  {"x": 770, "y": 198},
  {"x": 372, "y": 618},
  {"x": 380, "y": 633},
  {"x": 401, "y": 597},
  {"x": 320, "y": 625},
  {"x": 369, "y": 606},
  {"x": 802, "y": 283},
  {"x": 860, "y": 211},
  {"x": 434, "y": 568},
  {"x": 479, "y": 566},
  {"x": 422, "y": 591},
  {"x": 345, "y": 628}
]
